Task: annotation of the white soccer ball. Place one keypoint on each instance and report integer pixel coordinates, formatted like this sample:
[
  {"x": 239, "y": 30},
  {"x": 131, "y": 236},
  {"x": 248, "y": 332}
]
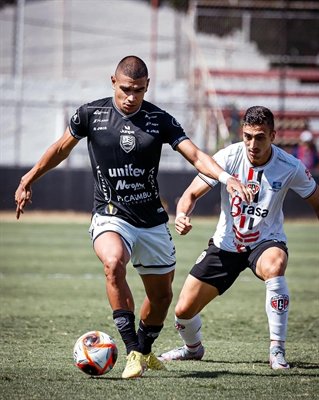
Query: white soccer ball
[{"x": 95, "y": 353}]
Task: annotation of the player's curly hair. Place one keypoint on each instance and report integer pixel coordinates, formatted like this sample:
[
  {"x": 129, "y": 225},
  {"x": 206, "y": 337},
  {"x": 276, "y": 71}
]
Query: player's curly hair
[
  {"x": 133, "y": 67},
  {"x": 259, "y": 115}
]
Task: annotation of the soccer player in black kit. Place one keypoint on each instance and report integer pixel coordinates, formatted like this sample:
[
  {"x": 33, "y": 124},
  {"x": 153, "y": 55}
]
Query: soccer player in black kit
[{"x": 124, "y": 136}]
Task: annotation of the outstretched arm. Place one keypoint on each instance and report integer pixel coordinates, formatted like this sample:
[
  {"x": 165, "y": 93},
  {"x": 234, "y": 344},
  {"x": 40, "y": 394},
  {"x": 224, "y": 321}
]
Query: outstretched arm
[
  {"x": 186, "y": 204},
  {"x": 313, "y": 200},
  {"x": 55, "y": 154},
  {"x": 207, "y": 166}
]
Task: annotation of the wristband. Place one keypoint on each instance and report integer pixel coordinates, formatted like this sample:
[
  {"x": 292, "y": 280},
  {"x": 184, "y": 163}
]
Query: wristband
[
  {"x": 181, "y": 214},
  {"x": 223, "y": 176}
]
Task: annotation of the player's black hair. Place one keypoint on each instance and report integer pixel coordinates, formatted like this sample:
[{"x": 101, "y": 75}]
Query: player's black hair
[
  {"x": 133, "y": 67},
  {"x": 259, "y": 115}
]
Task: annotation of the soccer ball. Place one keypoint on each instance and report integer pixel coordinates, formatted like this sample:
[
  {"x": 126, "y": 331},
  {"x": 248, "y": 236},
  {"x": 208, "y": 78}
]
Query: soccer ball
[{"x": 95, "y": 353}]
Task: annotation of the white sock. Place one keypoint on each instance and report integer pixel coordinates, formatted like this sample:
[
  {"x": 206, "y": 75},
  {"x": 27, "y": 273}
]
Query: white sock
[
  {"x": 277, "y": 307},
  {"x": 189, "y": 331}
]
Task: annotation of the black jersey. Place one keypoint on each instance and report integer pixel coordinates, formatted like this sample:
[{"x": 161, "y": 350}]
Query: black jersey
[{"x": 125, "y": 152}]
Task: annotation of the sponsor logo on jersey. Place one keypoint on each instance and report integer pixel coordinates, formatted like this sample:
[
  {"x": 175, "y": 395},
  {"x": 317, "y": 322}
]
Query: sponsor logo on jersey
[
  {"x": 100, "y": 128},
  {"x": 276, "y": 186},
  {"x": 99, "y": 112},
  {"x": 103, "y": 185},
  {"x": 280, "y": 303},
  {"x": 201, "y": 257},
  {"x": 127, "y": 130},
  {"x": 98, "y": 120},
  {"x": 76, "y": 118},
  {"x": 127, "y": 142},
  {"x": 238, "y": 207},
  {"x": 151, "y": 179},
  {"x": 254, "y": 186},
  {"x": 122, "y": 185},
  {"x": 127, "y": 170},
  {"x": 150, "y": 116},
  {"x": 135, "y": 198}
]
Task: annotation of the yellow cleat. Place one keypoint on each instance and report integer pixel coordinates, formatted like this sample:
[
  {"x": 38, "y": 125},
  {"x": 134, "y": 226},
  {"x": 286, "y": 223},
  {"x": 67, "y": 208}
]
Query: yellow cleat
[
  {"x": 152, "y": 362},
  {"x": 135, "y": 365}
]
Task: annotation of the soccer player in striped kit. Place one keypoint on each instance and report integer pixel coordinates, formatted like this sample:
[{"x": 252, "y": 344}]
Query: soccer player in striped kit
[{"x": 247, "y": 235}]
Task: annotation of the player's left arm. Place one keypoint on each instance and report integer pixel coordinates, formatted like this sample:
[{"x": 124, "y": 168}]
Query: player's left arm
[
  {"x": 207, "y": 166},
  {"x": 313, "y": 200}
]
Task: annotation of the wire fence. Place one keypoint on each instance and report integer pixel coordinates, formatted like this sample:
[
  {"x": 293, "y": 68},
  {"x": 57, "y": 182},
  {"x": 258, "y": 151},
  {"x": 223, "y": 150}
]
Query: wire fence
[{"x": 206, "y": 65}]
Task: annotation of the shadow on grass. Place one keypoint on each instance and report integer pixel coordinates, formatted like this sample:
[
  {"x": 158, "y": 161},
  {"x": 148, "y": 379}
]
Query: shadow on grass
[{"x": 296, "y": 364}]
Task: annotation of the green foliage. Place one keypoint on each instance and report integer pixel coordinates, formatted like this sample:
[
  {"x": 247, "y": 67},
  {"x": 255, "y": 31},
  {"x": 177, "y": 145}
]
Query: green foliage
[{"x": 53, "y": 290}]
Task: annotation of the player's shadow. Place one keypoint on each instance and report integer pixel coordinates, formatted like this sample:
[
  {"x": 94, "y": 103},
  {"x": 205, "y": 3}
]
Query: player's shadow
[
  {"x": 215, "y": 374},
  {"x": 296, "y": 364}
]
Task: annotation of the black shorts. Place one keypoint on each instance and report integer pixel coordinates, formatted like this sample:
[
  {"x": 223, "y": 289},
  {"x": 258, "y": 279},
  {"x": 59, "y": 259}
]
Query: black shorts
[{"x": 221, "y": 268}]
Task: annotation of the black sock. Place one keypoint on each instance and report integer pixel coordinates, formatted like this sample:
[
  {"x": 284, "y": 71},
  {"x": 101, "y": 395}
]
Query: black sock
[
  {"x": 125, "y": 323},
  {"x": 147, "y": 335}
]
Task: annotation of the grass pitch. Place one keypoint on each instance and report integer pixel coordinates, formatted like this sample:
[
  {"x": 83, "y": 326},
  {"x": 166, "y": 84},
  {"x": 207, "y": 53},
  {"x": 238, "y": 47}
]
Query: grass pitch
[{"x": 53, "y": 290}]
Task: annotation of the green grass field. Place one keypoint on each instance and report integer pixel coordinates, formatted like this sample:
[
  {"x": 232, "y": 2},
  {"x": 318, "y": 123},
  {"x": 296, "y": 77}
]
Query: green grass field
[{"x": 53, "y": 290}]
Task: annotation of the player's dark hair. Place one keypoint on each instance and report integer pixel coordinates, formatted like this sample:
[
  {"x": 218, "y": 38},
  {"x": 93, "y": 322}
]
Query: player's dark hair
[
  {"x": 133, "y": 67},
  {"x": 259, "y": 115}
]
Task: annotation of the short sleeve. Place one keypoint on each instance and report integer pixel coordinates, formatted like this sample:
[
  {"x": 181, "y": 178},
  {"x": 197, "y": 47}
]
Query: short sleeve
[
  {"x": 303, "y": 183},
  {"x": 79, "y": 123},
  {"x": 176, "y": 132}
]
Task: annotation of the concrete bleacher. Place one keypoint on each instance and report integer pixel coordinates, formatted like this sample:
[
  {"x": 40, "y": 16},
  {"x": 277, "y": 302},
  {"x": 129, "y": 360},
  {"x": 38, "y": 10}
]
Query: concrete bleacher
[{"x": 292, "y": 95}]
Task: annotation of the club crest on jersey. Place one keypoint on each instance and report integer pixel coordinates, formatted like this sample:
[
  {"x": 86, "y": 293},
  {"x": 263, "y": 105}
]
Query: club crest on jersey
[
  {"x": 280, "y": 303},
  {"x": 254, "y": 186},
  {"x": 127, "y": 142}
]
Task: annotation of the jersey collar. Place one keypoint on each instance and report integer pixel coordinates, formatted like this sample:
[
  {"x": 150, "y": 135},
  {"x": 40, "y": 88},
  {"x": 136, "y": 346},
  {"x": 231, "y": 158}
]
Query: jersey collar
[
  {"x": 258, "y": 167},
  {"x": 125, "y": 116}
]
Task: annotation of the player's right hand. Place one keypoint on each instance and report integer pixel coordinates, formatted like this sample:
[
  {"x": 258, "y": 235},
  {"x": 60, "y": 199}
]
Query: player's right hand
[
  {"x": 234, "y": 186},
  {"x": 183, "y": 225},
  {"x": 22, "y": 198}
]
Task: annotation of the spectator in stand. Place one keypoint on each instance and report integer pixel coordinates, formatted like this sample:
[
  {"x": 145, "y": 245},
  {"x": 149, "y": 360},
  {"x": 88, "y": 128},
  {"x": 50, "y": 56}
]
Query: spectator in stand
[{"x": 306, "y": 151}]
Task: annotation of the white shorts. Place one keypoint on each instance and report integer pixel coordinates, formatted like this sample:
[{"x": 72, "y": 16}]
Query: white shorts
[{"x": 152, "y": 250}]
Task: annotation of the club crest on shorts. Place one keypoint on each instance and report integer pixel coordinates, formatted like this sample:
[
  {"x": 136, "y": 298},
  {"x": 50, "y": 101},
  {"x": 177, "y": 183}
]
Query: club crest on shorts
[
  {"x": 280, "y": 303},
  {"x": 127, "y": 142},
  {"x": 254, "y": 186},
  {"x": 201, "y": 257}
]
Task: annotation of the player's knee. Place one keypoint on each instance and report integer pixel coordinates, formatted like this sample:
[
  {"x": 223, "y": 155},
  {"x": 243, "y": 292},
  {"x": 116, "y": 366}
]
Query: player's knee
[
  {"x": 114, "y": 269},
  {"x": 273, "y": 270},
  {"x": 182, "y": 310},
  {"x": 163, "y": 300}
]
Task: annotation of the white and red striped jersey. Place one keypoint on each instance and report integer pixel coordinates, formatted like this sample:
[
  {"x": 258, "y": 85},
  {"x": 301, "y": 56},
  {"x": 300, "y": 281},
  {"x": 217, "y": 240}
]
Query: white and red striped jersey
[{"x": 243, "y": 225}]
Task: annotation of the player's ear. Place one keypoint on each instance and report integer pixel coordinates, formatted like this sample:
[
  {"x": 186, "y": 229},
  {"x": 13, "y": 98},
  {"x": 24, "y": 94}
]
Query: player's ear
[
  {"x": 273, "y": 135},
  {"x": 147, "y": 83},
  {"x": 113, "y": 80}
]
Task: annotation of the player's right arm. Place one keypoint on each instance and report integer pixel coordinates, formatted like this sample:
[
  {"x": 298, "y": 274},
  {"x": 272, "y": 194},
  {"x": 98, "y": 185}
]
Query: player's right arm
[
  {"x": 55, "y": 154},
  {"x": 186, "y": 204}
]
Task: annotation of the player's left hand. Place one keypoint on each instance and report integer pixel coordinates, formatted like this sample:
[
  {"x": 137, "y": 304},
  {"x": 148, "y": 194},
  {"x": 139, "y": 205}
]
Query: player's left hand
[
  {"x": 234, "y": 186},
  {"x": 183, "y": 225}
]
